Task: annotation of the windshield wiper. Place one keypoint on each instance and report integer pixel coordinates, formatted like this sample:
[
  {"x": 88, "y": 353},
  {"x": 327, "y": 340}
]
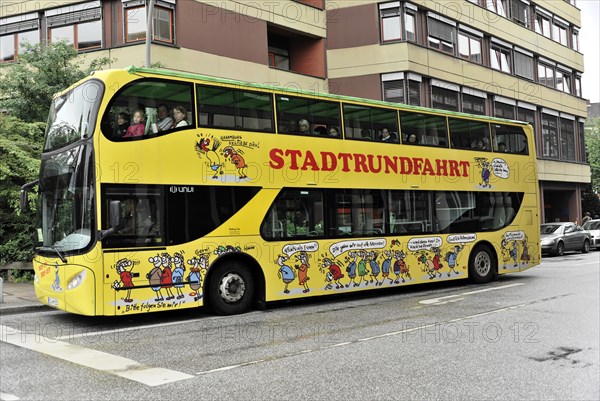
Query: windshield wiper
[{"x": 53, "y": 248}]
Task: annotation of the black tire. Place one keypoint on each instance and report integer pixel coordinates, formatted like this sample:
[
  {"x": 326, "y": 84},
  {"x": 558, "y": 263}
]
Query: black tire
[
  {"x": 560, "y": 248},
  {"x": 230, "y": 289},
  {"x": 586, "y": 246},
  {"x": 482, "y": 265}
]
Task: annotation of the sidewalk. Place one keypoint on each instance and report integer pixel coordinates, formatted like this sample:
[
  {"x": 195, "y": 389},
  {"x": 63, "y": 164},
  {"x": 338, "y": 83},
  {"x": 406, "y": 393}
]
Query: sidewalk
[{"x": 19, "y": 298}]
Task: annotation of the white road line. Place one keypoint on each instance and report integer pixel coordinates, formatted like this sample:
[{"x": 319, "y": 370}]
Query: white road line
[
  {"x": 102, "y": 361},
  {"x": 441, "y": 299},
  {"x": 8, "y": 397}
]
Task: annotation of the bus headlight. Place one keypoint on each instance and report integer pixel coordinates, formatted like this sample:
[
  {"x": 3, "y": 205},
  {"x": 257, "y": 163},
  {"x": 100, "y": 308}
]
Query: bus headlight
[{"x": 76, "y": 280}]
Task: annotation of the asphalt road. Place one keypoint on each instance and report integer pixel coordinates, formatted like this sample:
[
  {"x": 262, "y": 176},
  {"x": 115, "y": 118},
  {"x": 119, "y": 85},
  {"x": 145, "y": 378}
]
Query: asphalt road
[{"x": 532, "y": 335}]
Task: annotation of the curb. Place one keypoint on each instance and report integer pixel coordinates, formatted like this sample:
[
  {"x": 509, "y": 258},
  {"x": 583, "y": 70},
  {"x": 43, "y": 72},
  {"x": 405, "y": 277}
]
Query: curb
[{"x": 13, "y": 310}]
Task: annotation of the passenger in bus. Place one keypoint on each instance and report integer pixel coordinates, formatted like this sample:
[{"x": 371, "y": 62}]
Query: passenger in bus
[
  {"x": 320, "y": 131},
  {"x": 480, "y": 145},
  {"x": 179, "y": 114},
  {"x": 334, "y": 132},
  {"x": 164, "y": 121},
  {"x": 386, "y": 136},
  {"x": 303, "y": 127},
  {"x": 366, "y": 134},
  {"x": 139, "y": 125},
  {"x": 502, "y": 147},
  {"x": 122, "y": 125},
  {"x": 412, "y": 139}
]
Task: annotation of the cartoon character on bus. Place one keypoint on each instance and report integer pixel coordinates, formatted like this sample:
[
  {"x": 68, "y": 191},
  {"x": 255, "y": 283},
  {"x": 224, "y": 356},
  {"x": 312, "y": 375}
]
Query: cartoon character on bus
[
  {"x": 198, "y": 264},
  {"x": 351, "y": 268},
  {"x": 154, "y": 276},
  {"x": 486, "y": 171},
  {"x": 334, "y": 273},
  {"x": 178, "y": 273},
  {"x": 236, "y": 158},
  {"x": 303, "y": 270},
  {"x": 124, "y": 267},
  {"x": 451, "y": 258},
  {"x": 285, "y": 272},
  {"x": 208, "y": 148}
]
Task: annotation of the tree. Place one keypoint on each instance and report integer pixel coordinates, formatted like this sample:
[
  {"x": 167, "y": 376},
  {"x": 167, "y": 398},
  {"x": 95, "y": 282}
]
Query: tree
[
  {"x": 592, "y": 145},
  {"x": 28, "y": 86},
  {"x": 20, "y": 149}
]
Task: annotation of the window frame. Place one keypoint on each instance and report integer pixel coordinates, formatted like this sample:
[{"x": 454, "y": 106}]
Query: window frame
[
  {"x": 128, "y": 7},
  {"x": 472, "y": 57}
]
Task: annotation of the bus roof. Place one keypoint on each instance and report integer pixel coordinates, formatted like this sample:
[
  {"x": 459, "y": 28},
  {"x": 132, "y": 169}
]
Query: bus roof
[{"x": 189, "y": 75}]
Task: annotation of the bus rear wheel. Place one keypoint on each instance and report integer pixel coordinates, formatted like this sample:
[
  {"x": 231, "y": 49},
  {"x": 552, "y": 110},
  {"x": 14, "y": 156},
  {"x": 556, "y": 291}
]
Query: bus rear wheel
[
  {"x": 482, "y": 265},
  {"x": 230, "y": 289}
]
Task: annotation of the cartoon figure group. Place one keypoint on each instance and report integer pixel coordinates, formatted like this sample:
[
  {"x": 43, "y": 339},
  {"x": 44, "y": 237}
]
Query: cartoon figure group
[
  {"x": 208, "y": 148},
  {"x": 166, "y": 274},
  {"x": 287, "y": 275}
]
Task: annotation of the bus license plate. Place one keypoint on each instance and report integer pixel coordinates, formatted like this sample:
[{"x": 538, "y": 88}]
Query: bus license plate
[{"x": 53, "y": 302}]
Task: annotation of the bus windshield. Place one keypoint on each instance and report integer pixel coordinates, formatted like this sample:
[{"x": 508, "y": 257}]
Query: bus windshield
[
  {"x": 66, "y": 201},
  {"x": 73, "y": 115}
]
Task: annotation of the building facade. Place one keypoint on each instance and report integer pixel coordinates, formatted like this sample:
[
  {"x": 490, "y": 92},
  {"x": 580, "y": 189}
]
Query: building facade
[{"x": 516, "y": 59}]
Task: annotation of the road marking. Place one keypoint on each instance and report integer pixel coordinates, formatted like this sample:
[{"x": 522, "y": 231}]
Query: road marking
[
  {"x": 8, "y": 397},
  {"x": 443, "y": 300},
  {"x": 102, "y": 361},
  {"x": 384, "y": 335}
]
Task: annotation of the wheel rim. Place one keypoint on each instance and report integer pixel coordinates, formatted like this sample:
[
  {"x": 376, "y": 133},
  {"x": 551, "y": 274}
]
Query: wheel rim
[
  {"x": 586, "y": 246},
  {"x": 483, "y": 263},
  {"x": 560, "y": 248},
  {"x": 232, "y": 287}
]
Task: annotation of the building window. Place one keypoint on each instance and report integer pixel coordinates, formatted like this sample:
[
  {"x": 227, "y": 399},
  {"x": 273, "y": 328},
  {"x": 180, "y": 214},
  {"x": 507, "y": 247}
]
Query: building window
[
  {"x": 279, "y": 51},
  {"x": 500, "y": 58},
  {"x": 401, "y": 88},
  {"x": 444, "y": 97},
  {"x": 7, "y": 47},
  {"x": 441, "y": 35},
  {"x": 563, "y": 81},
  {"x": 567, "y": 139},
  {"x": 391, "y": 28},
  {"x": 80, "y": 25},
  {"x": 410, "y": 23},
  {"x": 582, "y": 150},
  {"x": 578, "y": 86},
  {"x": 520, "y": 12},
  {"x": 469, "y": 47},
  {"x": 527, "y": 115},
  {"x": 549, "y": 136},
  {"x": 546, "y": 74},
  {"x": 524, "y": 65},
  {"x": 473, "y": 104},
  {"x": 162, "y": 22},
  {"x": 504, "y": 110},
  {"x": 497, "y": 6},
  {"x": 559, "y": 33},
  {"x": 542, "y": 24},
  {"x": 575, "y": 40}
]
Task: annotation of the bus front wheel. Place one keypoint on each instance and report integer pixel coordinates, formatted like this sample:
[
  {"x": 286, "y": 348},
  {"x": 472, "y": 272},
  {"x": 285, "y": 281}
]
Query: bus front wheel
[
  {"x": 482, "y": 264},
  {"x": 230, "y": 289}
]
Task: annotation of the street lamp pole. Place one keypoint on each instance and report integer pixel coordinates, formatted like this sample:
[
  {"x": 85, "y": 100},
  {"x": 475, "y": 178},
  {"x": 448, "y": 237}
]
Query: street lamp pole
[{"x": 149, "y": 11}]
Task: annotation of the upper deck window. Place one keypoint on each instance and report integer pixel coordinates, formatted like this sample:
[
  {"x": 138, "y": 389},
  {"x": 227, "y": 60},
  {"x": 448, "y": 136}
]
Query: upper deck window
[
  {"x": 306, "y": 116},
  {"x": 222, "y": 107},
  {"x": 370, "y": 123},
  {"x": 147, "y": 108}
]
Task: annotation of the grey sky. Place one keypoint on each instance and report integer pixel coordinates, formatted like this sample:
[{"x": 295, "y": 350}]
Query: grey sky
[{"x": 589, "y": 41}]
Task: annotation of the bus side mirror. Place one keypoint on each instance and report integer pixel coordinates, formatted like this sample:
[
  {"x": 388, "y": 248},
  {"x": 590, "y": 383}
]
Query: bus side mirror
[{"x": 24, "y": 199}]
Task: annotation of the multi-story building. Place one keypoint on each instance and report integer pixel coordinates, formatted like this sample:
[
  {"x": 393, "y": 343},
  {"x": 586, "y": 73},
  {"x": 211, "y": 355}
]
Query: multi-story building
[{"x": 515, "y": 59}]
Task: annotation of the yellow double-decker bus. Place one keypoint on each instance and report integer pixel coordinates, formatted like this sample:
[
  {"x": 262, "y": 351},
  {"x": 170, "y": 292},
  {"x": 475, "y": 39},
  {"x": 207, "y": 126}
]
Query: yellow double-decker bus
[{"x": 162, "y": 190}]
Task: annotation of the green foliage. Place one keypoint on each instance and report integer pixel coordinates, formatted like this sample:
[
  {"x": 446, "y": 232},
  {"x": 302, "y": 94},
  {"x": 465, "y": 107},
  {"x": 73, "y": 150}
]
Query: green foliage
[
  {"x": 592, "y": 145},
  {"x": 28, "y": 86},
  {"x": 20, "y": 149}
]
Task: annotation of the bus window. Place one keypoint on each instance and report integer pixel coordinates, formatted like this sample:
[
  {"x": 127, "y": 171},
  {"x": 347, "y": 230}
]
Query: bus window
[
  {"x": 423, "y": 129},
  {"x": 469, "y": 134},
  {"x": 295, "y": 214},
  {"x": 305, "y": 116},
  {"x": 357, "y": 119},
  {"x": 409, "y": 212},
  {"x": 509, "y": 139},
  {"x": 145, "y": 97},
  {"x": 356, "y": 212},
  {"x": 222, "y": 107}
]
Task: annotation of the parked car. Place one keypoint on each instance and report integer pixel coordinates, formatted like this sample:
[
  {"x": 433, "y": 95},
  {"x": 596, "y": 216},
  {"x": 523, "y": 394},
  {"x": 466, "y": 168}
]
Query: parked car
[
  {"x": 556, "y": 238},
  {"x": 593, "y": 227}
]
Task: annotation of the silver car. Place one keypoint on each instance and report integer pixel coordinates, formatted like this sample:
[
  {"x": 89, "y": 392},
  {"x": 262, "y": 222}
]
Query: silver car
[
  {"x": 557, "y": 238},
  {"x": 593, "y": 227}
]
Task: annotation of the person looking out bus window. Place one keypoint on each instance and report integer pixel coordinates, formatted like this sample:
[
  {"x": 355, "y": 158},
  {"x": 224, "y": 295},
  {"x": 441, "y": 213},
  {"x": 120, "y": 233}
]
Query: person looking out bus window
[
  {"x": 303, "y": 127},
  {"x": 138, "y": 127},
  {"x": 502, "y": 147},
  {"x": 480, "y": 145},
  {"x": 179, "y": 114},
  {"x": 412, "y": 139},
  {"x": 365, "y": 134},
  {"x": 122, "y": 125},
  {"x": 164, "y": 121},
  {"x": 385, "y": 135},
  {"x": 334, "y": 132}
]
